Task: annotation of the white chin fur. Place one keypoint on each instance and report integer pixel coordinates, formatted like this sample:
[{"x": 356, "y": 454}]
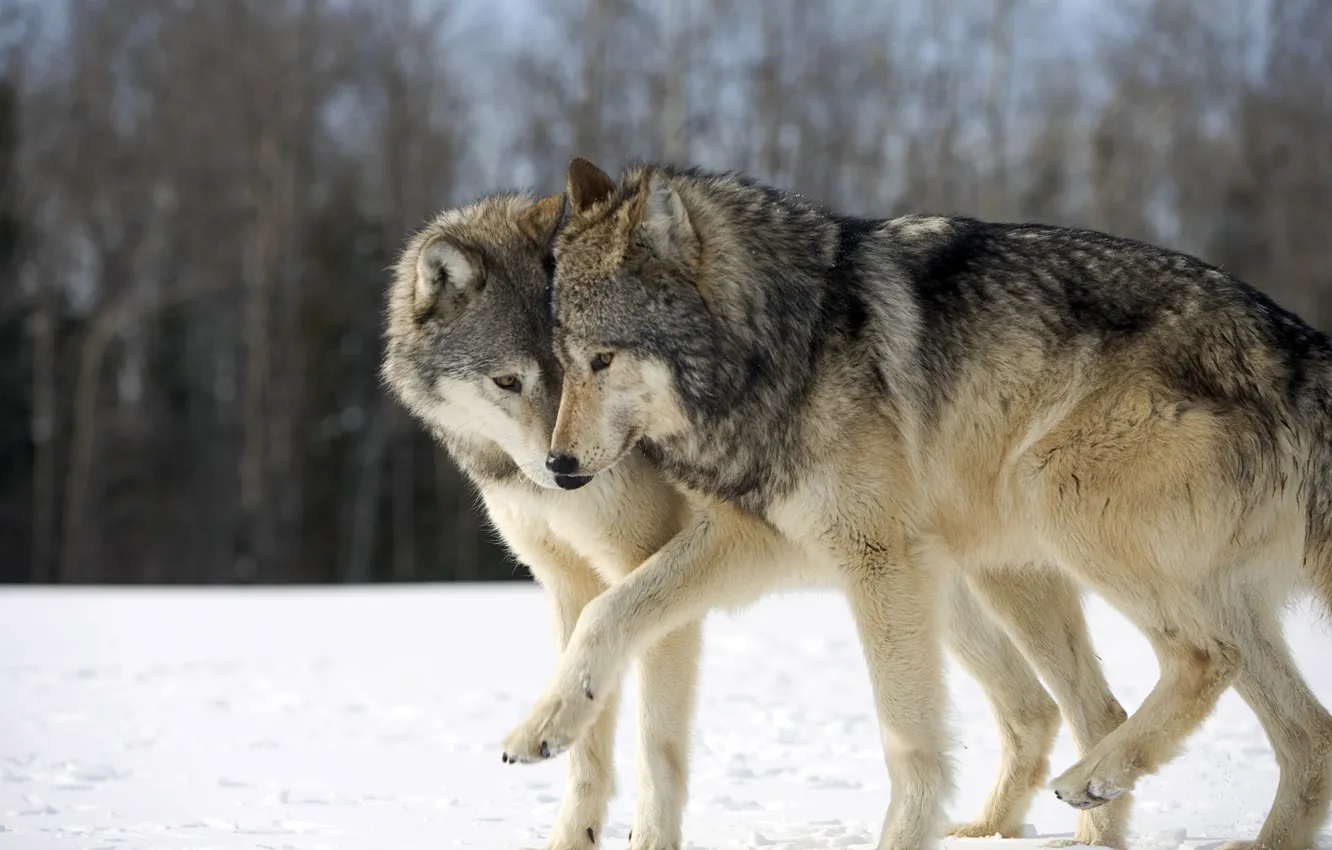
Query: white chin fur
[{"x": 539, "y": 475}]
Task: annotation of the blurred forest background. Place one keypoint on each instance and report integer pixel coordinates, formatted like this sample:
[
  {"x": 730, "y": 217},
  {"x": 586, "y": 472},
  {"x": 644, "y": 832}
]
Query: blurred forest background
[{"x": 199, "y": 199}]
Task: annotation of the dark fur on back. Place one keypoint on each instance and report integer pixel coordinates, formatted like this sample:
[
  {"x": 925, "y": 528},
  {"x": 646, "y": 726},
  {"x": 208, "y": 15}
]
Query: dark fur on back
[{"x": 1072, "y": 290}]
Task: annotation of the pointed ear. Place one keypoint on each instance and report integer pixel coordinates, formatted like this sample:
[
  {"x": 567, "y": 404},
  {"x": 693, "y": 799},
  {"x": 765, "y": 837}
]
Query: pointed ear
[
  {"x": 588, "y": 185},
  {"x": 442, "y": 264},
  {"x": 665, "y": 220},
  {"x": 538, "y": 222}
]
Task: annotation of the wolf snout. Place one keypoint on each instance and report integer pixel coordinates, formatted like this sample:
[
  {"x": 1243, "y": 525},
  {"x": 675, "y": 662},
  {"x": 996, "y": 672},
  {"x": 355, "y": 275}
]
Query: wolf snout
[{"x": 562, "y": 464}]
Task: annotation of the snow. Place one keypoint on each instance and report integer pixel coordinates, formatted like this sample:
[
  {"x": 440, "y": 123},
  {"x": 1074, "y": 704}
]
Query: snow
[{"x": 371, "y": 718}]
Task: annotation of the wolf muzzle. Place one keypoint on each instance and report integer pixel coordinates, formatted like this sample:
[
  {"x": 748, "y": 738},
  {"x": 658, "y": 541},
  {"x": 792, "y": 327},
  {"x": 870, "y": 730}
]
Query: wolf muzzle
[{"x": 565, "y": 468}]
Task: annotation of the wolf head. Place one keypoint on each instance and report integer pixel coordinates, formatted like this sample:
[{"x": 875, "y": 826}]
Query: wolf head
[
  {"x": 630, "y": 319},
  {"x": 469, "y": 335}
]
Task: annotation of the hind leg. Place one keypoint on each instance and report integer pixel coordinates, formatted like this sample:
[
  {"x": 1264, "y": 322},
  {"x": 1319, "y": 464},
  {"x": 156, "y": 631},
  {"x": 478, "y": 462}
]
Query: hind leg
[
  {"x": 1042, "y": 612},
  {"x": 1028, "y": 719},
  {"x": 1298, "y": 727},
  {"x": 1198, "y": 662},
  {"x": 1131, "y": 493}
]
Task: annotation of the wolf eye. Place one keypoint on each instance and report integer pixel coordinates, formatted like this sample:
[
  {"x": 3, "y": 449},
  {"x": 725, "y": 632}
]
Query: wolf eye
[
  {"x": 601, "y": 361},
  {"x": 508, "y": 382}
]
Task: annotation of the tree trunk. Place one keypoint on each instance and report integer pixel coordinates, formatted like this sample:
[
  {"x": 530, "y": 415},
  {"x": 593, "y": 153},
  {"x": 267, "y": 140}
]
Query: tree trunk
[
  {"x": 367, "y": 496},
  {"x": 403, "y": 496},
  {"x": 43, "y": 433}
]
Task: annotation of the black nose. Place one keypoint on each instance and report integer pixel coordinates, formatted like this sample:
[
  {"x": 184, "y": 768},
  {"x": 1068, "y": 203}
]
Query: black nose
[{"x": 561, "y": 464}]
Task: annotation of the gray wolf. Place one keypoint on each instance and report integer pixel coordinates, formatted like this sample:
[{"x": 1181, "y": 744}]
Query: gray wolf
[
  {"x": 914, "y": 399},
  {"x": 470, "y": 352}
]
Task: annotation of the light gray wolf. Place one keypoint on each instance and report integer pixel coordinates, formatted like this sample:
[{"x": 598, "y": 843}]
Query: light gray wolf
[
  {"x": 912, "y": 399},
  {"x": 470, "y": 352}
]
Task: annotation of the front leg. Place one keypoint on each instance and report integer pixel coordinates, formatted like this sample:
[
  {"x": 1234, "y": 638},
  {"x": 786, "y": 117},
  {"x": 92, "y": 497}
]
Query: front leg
[
  {"x": 590, "y": 778},
  {"x": 723, "y": 558},
  {"x": 895, "y": 600},
  {"x": 570, "y": 584},
  {"x": 667, "y": 675}
]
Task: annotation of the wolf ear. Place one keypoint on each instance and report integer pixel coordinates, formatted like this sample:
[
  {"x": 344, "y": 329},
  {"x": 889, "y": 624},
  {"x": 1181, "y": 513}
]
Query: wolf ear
[
  {"x": 665, "y": 220},
  {"x": 442, "y": 264},
  {"x": 538, "y": 222},
  {"x": 588, "y": 185}
]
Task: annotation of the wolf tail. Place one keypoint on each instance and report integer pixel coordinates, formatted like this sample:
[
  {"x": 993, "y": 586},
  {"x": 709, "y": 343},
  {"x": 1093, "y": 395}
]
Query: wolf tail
[{"x": 1318, "y": 549}]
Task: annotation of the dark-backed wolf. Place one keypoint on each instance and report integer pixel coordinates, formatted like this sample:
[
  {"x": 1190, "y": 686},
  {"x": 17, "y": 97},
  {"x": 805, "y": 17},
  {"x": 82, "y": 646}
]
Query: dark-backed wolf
[
  {"x": 902, "y": 399},
  {"x": 470, "y": 353}
]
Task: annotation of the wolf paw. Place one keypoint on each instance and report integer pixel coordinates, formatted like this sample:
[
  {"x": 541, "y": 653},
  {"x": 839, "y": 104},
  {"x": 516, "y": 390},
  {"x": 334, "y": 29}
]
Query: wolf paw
[
  {"x": 574, "y": 839},
  {"x": 983, "y": 829},
  {"x": 558, "y": 720},
  {"x": 647, "y": 840},
  {"x": 1082, "y": 788}
]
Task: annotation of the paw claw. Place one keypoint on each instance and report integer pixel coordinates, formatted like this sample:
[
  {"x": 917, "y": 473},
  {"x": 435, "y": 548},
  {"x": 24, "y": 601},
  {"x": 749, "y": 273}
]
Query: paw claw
[
  {"x": 554, "y": 724},
  {"x": 1087, "y": 802}
]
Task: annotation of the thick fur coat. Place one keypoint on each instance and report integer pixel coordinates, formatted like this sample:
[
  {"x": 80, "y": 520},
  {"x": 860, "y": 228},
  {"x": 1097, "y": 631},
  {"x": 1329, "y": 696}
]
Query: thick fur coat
[
  {"x": 470, "y": 351},
  {"x": 910, "y": 400}
]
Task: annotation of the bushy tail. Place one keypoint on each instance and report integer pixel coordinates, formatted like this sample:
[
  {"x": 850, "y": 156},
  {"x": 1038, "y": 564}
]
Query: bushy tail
[{"x": 1318, "y": 550}]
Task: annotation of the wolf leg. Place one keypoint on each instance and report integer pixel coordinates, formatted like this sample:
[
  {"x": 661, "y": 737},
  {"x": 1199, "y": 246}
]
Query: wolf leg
[
  {"x": 590, "y": 781},
  {"x": 1198, "y": 662},
  {"x": 895, "y": 603},
  {"x": 1028, "y": 719},
  {"x": 667, "y": 675},
  {"x": 1298, "y": 727},
  {"x": 570, "y": 583},
  {"x": 1042, "y": 612},
  {"x": 1131, "y": 493},
  {"x": 723, "y": 558}
]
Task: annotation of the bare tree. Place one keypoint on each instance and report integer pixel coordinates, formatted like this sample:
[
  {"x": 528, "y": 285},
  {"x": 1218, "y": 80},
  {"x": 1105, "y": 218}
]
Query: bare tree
[{"x": 194, "y": 262}]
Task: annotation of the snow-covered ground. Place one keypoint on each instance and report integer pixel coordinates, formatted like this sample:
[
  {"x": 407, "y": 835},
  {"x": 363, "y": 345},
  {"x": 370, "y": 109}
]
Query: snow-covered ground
[{"x": 371, "y": 719}]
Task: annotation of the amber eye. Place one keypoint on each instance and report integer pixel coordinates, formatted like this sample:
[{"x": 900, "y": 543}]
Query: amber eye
[
  {"x": 508, "y": 382},
  {"x": 601, "y": 361}
]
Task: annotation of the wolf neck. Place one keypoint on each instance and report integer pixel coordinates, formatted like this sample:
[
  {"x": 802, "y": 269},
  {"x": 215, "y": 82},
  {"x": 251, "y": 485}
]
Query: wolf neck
[{"x": 774, "y": 275}]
